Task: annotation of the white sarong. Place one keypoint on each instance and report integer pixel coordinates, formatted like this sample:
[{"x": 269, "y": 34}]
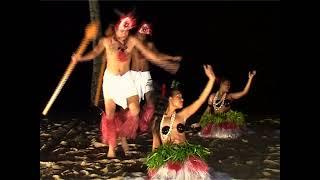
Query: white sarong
[
  {"x": 143, "y": 82},
  {"x": 119, "y": 87}
]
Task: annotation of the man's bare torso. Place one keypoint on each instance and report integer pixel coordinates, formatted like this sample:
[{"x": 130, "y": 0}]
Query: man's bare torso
[
  {"x": 139, "y": 62},
  {"x": 114, "y": 64}
]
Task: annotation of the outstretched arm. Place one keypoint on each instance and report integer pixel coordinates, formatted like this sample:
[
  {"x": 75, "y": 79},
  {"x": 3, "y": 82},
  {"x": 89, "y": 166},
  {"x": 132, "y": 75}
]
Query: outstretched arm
[
  {"x": 164, "y": 56},
  {"x": 151, "y": 54},
  {"x": 238, "y": 95},
  {"x": 191, "y": 109},
  {"x": 91, "y": 55}
]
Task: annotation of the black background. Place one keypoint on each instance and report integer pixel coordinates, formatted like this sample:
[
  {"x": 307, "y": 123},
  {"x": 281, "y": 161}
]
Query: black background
[{"x": 234, "y": 37}]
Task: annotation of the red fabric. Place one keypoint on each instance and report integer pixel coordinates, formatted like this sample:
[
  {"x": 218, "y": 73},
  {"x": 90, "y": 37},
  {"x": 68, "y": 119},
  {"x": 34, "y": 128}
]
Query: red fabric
[
  {"x": 196, "y": 164},
  {"x": 207, "y": 129},
  {"x": 108, "y": 130},
  {"x": 193, "y": 164},
  {"x": 152, "y": 172},
  {"x": 119, "y": 121},
  {"x": 145, "y": 28},
  {"x": 146, "y": 117},
  {"x": 228, "y": 125},
  {"x": 174, "y": 166},
  {"x": 225, "y": 125},
  {"x": 126, "y": 22},
  {"x": 130, "y": 125}
]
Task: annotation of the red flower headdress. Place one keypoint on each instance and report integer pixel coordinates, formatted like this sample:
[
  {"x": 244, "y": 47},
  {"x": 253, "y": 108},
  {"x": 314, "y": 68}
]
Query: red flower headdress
[{"x": 145, "y": 28}]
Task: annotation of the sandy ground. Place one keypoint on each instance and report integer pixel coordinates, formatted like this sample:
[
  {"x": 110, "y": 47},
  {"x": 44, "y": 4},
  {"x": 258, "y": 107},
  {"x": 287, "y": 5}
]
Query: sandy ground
[{"x": 70, "y": 148}]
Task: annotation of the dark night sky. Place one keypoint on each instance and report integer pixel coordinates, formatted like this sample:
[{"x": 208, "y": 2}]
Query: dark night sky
[{"x": 234, "y": 37}]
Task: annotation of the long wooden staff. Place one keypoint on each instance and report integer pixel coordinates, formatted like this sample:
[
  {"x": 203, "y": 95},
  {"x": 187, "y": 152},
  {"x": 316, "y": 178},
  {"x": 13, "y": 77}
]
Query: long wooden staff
[
  {"x": 100, "y": 79},
  {"x": 90, "y": 34}
]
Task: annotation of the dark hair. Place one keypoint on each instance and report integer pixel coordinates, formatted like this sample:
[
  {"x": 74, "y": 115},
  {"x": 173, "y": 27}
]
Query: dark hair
[
  {"x": 223, "y": 79},
  {"x": 171, "y": 93}
]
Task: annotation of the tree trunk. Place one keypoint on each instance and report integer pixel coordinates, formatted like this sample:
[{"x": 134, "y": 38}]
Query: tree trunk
[{"x": 95, "y": 15}]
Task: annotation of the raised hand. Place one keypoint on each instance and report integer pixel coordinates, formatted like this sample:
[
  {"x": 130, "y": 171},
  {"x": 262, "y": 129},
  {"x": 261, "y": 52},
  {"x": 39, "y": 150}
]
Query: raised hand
[
  {"x": 252, "y": 74},
  {"x": 209, "y": 72},
  {"x": 177, "y": 58}
]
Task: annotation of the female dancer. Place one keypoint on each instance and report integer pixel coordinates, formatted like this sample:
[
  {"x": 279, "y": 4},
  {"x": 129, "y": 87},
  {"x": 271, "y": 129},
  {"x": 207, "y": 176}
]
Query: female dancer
[
  {"x": 219, "y": 121},
  {"x": 176, "y": 158}
]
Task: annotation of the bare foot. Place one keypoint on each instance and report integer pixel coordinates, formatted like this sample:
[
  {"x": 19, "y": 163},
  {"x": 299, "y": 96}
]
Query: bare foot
[{"x": 111, "y": 152}]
